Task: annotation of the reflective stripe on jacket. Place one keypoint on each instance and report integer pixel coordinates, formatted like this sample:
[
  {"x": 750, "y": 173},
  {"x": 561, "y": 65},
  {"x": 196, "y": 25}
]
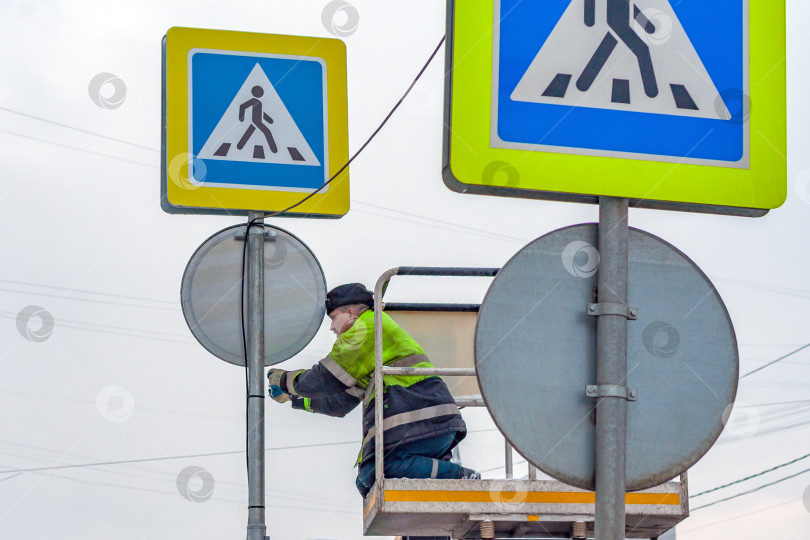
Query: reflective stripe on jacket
[{"x": 415, "y": 406}]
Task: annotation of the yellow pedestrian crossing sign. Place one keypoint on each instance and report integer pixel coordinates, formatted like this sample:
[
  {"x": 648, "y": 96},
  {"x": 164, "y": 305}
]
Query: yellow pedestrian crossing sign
[
  {"x": 677, "y": 105},
  {"x": 254, "y": 122}
]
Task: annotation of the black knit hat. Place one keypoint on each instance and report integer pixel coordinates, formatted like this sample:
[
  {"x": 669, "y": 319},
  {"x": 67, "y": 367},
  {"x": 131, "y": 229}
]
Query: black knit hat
[{"x": 350, "y": 293}]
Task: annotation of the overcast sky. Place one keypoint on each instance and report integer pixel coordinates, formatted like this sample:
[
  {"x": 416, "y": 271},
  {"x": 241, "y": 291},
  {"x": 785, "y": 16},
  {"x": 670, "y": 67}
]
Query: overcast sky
[{"x": 121, "y": 378}]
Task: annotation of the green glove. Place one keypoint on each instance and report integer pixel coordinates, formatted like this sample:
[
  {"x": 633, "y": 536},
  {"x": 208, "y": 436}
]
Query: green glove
[{"x": 274, "y": 377}]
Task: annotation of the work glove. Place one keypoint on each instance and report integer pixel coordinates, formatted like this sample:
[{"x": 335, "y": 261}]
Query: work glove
[{"x": 274, "y": 389}]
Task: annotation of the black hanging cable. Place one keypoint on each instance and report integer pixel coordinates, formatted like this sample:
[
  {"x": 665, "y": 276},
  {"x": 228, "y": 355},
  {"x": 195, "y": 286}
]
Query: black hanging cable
[
  {"x": 363, "y": 147},
  {"x": 244, "y": 345},
  {"x": 251, "y": 222}
]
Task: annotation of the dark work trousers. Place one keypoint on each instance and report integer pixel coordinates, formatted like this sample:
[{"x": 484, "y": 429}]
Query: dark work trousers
[{"x": 426, "y": 458}]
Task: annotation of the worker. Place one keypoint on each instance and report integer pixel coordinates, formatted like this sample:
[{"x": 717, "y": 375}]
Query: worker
[{"x": 425, "y": 423}]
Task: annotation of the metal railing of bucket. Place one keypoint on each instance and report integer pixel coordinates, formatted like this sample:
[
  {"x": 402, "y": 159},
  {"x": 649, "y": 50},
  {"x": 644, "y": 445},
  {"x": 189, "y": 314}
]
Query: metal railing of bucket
[{"x": 380, "y": 370}]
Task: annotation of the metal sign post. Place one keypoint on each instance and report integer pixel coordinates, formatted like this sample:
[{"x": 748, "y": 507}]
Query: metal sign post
[
  {"x": 611, "y": 369},
  {"x": 256, "y": 529},
  {"x": 278, "y": 272}
]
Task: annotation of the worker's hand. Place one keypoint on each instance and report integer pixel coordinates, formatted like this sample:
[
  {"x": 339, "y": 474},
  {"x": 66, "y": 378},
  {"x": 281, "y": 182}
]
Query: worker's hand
[{"x": 274, "y": 389}]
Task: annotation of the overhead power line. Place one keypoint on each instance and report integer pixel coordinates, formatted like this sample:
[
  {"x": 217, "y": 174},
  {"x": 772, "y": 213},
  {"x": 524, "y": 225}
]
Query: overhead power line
[
  {"x": 166, "y": 458},
  {"x": 780, "y": 403},
  {"x": 783, "y": 428},
  {"x": 81, "y": 130},
  {"x": 767, "y": 288},
  {"x": 270, "y": 505},
  {"x": 763, "y": 486},
  {"x": 739, "y": 516},
  {"x": 82, "y": 323},
  {"x": 447, "y": 224},
  {"x": 775, "y": 361},
  {"x": 10, "y": 477},
  {"x": 85, "y": 291},
  {"x": 158, "y": 475},
  {"x": 115, "y": 330},
  {"x": 751, "y": 476},
  {"x": 92, "y": 300},
  {"x": 519, "y": 462},
  {"x": 46, "y": 141}
]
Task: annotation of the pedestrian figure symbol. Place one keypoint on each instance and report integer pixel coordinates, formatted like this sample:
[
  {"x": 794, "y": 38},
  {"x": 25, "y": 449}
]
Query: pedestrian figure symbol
[
  {"x": 618, "y": 19},
  {"x": 257, "y": 118},
  {"x": 621, "y": 55},
  {"x": 258, "y": 105}
]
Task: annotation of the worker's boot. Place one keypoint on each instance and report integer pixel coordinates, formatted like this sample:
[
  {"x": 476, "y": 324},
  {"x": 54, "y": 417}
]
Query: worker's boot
[{"x": 470, "y": 474}]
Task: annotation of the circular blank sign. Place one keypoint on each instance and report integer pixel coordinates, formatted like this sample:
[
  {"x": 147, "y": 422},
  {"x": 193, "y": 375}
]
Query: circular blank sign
[
  {"x": 535, "y": 352},
  {"x": 294, "y": 295}
]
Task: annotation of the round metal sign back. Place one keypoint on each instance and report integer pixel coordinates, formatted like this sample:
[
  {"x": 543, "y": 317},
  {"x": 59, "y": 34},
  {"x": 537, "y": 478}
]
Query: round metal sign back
[
  {"x": 535, "y": 352},
  {"x": 294, "y": 295}
]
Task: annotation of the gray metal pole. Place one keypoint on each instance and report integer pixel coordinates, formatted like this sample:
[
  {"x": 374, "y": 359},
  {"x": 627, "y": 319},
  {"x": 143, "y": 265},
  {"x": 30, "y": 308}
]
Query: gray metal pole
[
  {"x": 256, "y": 529},
  {"x": 611, "y": 369},
  {"x": 508, "y": 460}
]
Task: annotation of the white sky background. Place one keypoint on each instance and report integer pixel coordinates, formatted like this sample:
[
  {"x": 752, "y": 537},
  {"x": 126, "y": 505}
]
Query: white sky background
[{"x": 81, "y": 213}]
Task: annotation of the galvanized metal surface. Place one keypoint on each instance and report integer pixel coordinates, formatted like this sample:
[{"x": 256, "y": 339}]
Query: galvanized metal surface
[
  {"x": 611, "y": 390},
  {"x": 611, "y": 368},
  {"x": 448, "y": 271},
  {"x": 456, "y": 372},
  {"x": 295, "y": 291},
  {"x": 254, "y": 279},
  {"x": 379, "y": 287},
  {"x": 536, "y": 353},
  {"x": 509, "y": 465},
  {"x": 525, "y": 508},
  {"x": 609, "y": 308},
  {"x": 435, "y": 307},
  {"x": 470, "y": 401}
]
